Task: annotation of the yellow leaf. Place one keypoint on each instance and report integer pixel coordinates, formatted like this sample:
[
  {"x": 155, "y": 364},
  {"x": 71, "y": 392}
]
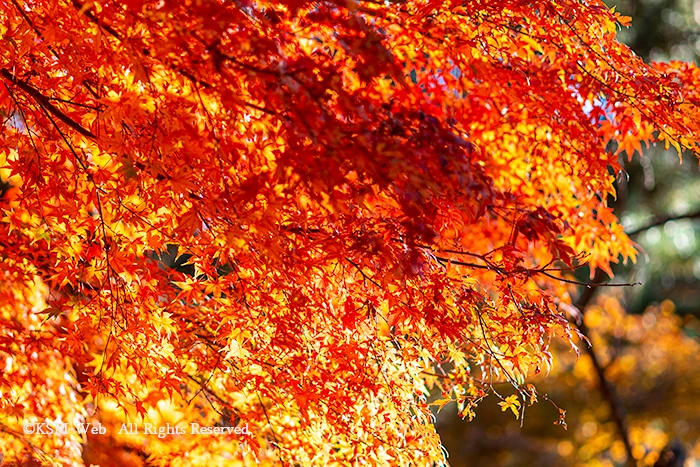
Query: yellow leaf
[
  {"x": 512, "y": 403},
  {"x": 441, "y": 403}
]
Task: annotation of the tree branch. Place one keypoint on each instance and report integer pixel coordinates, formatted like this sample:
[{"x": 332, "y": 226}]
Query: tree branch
[
  {"x": 88, "y": 14},
  {"x": 46, "y": 103},
  {"x": 661, "y": 221},
  {"x": 607, "y": 389}
]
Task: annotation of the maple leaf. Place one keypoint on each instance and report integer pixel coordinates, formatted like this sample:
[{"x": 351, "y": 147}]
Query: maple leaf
[{"x": 511, "y": 402}]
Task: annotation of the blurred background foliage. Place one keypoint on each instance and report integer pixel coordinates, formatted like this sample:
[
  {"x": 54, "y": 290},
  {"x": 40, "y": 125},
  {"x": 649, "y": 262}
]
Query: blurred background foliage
[{"x": 646, "y": 339}]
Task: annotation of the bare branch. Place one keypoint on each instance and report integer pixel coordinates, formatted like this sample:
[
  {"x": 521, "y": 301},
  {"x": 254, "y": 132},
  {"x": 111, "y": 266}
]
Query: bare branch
[
  {"x": 661, "y": 221},
  {"x": 607, "y": 389}
]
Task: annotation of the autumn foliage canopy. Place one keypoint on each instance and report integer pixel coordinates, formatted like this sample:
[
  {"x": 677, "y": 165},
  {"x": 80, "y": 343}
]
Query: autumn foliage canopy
[{"x": 302, "y": 218}]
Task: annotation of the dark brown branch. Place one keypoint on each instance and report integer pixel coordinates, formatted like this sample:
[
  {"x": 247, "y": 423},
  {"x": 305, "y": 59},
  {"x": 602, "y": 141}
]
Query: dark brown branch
[
  {"x": 44, "y": 102},
  {"x": 607, "y": 389},
  {"x": 588, "y": 285},
  {"x": 26, "y": 18},
  {"x": 364, "y": 274},
  {"x": 661, "y": 221},
  {"x": 70, "y": 102},
  {"x": 89, "y": 15},
  {"x": 531, "y": 272},
  {"x": 468, "y": 265}
]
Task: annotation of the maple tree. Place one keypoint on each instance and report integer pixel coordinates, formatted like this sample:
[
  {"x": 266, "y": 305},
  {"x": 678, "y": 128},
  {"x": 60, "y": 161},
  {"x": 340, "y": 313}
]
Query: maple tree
[{"x": 373, "y": 200}]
